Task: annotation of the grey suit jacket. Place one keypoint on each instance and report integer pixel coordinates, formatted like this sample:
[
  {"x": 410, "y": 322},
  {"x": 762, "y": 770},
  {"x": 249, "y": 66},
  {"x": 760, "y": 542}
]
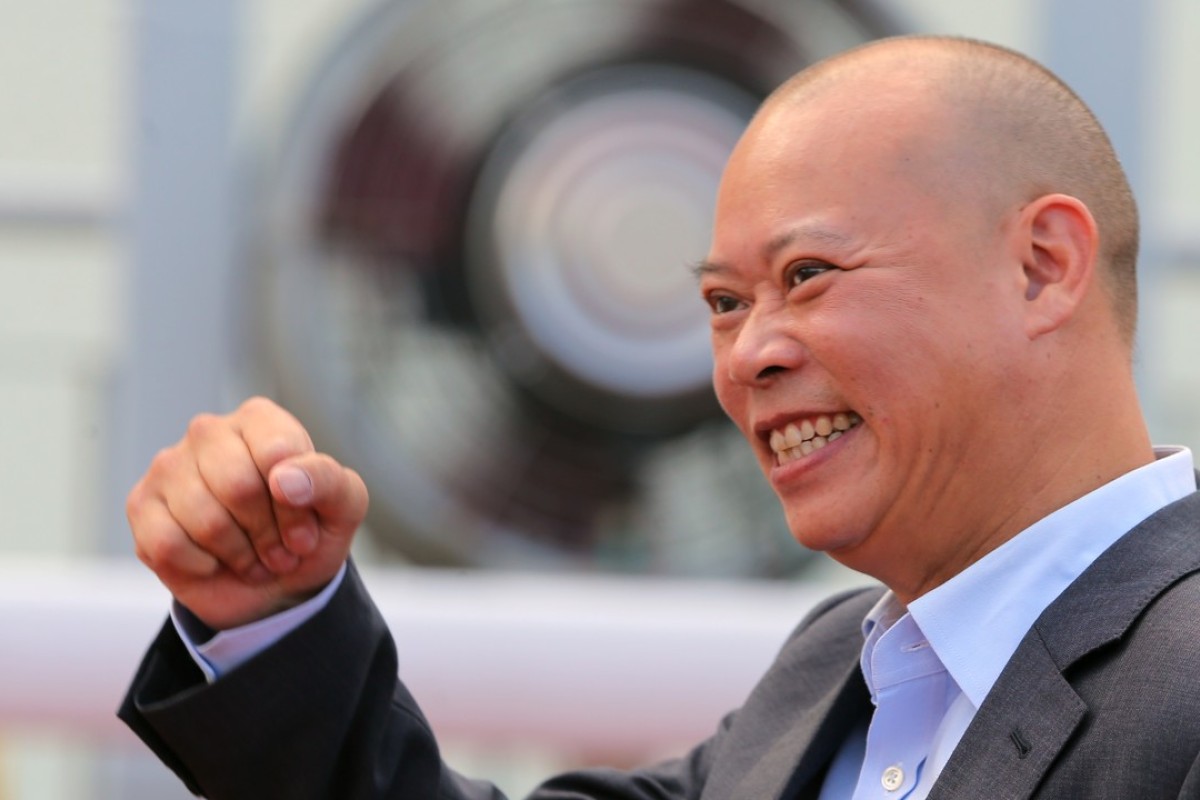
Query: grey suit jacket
[{"x": 1101, "y": 700}]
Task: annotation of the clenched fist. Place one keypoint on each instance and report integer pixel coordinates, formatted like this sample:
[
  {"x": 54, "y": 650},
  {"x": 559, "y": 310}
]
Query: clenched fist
[{"x": 242, "y": 518}]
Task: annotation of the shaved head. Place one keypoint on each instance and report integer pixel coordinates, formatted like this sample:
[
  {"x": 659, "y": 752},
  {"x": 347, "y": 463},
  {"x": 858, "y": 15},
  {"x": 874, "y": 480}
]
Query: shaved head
[
  {"x": 930, "y": 242},
  {"x": 1004, "y": 128}
]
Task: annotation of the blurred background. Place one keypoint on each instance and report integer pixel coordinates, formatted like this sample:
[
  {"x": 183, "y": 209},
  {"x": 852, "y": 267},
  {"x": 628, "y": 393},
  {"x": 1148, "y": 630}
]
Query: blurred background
[{"x": 453, "y": 236}]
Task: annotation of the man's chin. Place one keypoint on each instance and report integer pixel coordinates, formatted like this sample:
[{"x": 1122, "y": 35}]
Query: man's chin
[{"x": 835, "y": 541}]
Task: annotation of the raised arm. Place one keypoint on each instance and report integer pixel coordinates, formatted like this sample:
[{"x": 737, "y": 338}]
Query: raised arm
[{"x": 242, "y": 519}]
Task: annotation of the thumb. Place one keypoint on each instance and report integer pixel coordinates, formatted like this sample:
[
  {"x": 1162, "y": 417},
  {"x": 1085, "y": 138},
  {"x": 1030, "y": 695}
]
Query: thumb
[
  {"x": 315, "y": 485},
  {"x": 292, "y": 485}
]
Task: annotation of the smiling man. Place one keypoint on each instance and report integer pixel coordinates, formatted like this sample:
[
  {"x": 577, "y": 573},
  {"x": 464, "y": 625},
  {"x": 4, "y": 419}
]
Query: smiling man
[
  {"x": 901, "y": 240},
  {"x": 923, "y": 301}
]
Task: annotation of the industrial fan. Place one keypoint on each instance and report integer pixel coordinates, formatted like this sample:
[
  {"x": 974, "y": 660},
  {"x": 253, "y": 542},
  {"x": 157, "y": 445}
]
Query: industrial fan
[{"x": 472, "y": 283}]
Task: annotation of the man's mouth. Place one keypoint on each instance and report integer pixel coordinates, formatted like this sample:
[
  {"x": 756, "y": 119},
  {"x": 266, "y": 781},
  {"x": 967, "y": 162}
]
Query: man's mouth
[{"x": 799, "y": 438}]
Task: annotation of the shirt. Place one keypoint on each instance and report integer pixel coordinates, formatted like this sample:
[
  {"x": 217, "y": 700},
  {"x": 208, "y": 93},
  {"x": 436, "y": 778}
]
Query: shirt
[{"x": 962, "y": 633}]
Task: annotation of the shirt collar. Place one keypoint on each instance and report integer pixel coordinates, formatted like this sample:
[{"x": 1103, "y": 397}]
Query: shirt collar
[
  {"x": 975, "y": 621},
  {"x": 886, "y": 612}
]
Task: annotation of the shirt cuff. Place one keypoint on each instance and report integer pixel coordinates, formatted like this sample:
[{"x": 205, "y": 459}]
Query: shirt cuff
[{"x": 216, "y": 655}]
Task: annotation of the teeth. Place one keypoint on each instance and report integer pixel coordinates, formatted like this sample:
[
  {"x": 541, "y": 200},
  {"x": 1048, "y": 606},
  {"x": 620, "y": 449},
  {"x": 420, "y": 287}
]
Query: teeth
[
  {"x": 796, "y": 441},
  {"x": 792, "y": 436}
]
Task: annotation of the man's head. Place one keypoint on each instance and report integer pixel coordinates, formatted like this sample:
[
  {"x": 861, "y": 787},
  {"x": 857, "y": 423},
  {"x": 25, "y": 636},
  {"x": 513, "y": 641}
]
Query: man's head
[
  {"x": 1020, "y": 123},
  {"x": 928, "y": 243}
]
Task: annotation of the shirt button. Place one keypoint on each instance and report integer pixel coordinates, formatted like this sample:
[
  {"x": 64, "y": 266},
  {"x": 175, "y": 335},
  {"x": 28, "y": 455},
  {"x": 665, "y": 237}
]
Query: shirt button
[{"x": 893, "y": 778}]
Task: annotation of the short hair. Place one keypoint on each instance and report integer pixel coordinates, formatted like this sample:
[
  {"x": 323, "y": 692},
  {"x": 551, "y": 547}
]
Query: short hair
[{"x": 1046, "y": 137}]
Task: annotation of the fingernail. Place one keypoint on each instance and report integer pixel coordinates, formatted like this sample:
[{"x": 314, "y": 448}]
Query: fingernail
[
  {"x": 301, "y": 540},
  {"x": 295, "y": 484}
]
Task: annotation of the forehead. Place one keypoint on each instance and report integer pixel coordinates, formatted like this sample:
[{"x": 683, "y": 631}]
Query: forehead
[
  {"x": 783, "y": 188},
  {"x": 852, "y": 129},
  {"x": 831, "y": 167}
]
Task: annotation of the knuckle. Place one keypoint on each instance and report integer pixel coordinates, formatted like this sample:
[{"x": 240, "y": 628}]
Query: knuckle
[
  {"x": 262, "y": 538},
  {"x": 161, "y": 551},
  {"x": 239, "y": 488},
  {"x": 325, "y": 467},
  {"x": 259, "y": 406},
  {"x": 256, "y": 403},
  {"x": 271, "y": 432},
  {"x": 165, "y": 462},
  {"x": 210, "y": 528},
  {"x": 135, "y": 501},
  {"x": 163, "y": 555},
  {"x": 202, "y": 426},
  {"x": 243, "y": 560},
  {"x": 277, "y": 449}
]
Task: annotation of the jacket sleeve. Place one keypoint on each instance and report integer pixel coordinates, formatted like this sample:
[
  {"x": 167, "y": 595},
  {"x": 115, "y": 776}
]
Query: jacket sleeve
[{"x": 322, "y": 714}]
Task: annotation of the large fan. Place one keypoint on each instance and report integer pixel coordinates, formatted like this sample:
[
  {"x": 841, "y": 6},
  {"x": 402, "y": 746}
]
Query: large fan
[{"x": 475, "y": 282}]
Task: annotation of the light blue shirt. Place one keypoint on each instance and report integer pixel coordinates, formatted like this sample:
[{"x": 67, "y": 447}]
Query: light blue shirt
[{"x": 958, "y": 637}]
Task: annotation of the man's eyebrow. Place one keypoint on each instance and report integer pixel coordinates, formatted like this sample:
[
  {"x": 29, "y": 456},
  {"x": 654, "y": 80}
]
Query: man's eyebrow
[
  {"x": 816, "y": 232},
  {"x": 706, "y": 267},
  {"x": 812, "y": 231}
]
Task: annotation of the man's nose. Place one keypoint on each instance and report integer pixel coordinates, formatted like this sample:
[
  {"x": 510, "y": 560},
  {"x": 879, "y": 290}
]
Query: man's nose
[{"x": 766, "y": 346}]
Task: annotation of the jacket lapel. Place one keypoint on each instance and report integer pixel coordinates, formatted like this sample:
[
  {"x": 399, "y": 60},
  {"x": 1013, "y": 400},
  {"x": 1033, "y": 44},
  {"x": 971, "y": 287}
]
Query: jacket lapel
[
  {"x": 798, "y": 765},
  {"x": 1032, "y": 711},
  {"x": 792, "y": 769},
  {"x": 1017, "y": 734},
  {"x": 823, "y": 696}
]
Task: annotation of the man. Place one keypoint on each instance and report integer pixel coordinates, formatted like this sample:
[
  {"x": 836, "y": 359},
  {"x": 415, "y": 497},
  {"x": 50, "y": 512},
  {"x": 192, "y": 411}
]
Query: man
[{"x": 923, "y": 300}]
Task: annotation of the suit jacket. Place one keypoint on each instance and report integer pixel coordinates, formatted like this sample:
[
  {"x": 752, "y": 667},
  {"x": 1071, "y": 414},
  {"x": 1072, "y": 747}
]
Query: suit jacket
[{"x": 1101, "y": 700}]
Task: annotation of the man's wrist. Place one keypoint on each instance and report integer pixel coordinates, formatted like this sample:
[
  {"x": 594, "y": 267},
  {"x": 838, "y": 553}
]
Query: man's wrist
[{"x": 218, "y": 652}]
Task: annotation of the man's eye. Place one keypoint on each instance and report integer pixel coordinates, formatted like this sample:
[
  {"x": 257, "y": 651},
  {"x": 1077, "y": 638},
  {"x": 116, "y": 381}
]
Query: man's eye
[
  {"x": 723, "y": 303},
  {"x": 805, "y": 270}
]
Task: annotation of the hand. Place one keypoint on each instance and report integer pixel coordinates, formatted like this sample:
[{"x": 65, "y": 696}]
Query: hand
[{"x": 242, "y": 518}]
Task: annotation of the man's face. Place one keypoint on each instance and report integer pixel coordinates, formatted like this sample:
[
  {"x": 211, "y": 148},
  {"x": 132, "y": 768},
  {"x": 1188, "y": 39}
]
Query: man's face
[{"x": 855, "y": 296}]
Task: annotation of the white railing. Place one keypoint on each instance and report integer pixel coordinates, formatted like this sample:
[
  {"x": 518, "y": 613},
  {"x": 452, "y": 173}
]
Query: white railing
[{"x": 581, "y": 664}]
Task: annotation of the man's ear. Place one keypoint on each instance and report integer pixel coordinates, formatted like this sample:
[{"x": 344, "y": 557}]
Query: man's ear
[{"x": 1059, "y": 244}]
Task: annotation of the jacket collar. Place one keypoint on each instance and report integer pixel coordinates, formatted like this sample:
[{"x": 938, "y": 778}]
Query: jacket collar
[
  {"x": 815, "y": 698},
  {"x": 1032, "y": 710}
]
